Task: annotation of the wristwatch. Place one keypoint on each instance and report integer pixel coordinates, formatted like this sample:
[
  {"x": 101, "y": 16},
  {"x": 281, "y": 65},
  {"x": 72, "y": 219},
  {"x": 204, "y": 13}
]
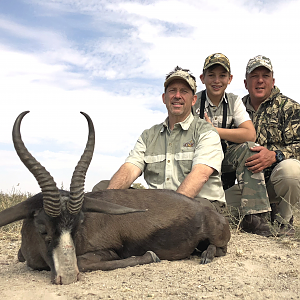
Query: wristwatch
[{"x": 279, "y": 156}]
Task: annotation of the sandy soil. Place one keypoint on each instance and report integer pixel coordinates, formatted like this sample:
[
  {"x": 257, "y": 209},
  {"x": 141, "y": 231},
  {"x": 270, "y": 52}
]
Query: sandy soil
[{"x": 254, "y": 268}]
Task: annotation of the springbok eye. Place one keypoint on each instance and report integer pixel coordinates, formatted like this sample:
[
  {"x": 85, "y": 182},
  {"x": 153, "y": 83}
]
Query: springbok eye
[
  {"x": 48, "y": 240},
  {"x": 42, "y": 229}
]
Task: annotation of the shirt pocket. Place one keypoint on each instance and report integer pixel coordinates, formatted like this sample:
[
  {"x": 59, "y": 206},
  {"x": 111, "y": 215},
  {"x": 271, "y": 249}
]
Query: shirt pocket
[
  {"x": 155, "y": 169},
  {"x": 184, "y": 162}
]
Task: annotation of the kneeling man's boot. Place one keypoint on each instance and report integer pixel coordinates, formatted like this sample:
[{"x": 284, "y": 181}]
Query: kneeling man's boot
[
  {"x": 284, "y": 228},
  {"x": 257, "y": 224}
]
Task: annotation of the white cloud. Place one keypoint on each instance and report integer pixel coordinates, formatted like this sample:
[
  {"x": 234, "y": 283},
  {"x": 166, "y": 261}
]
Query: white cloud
[
  {"x": 45, "y": 37},
  {"x": 27, "y": 83},
  {"x": 115, "y": 73}
]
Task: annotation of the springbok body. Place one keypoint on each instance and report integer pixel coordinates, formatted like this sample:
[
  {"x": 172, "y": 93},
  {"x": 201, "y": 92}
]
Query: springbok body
[{"x": 69, "y": 232}]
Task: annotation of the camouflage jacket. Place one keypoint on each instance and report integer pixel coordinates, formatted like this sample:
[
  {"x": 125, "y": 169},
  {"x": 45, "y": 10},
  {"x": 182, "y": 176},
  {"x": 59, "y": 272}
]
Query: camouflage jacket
[{"x": 277, "y": 123}]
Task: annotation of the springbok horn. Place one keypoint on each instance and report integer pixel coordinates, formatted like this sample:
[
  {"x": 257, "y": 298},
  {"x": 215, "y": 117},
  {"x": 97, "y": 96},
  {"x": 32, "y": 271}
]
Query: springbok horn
[
  {"x": 51, "y": 196},
  {"x": 77, "y": 182}
]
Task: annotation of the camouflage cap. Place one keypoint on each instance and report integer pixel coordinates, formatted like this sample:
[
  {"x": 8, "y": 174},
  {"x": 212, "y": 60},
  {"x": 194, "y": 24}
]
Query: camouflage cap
[
  {"x": 179, "y": 73},
  {"x": 217, "y": 58},
  {"x": 258, "y": 61}
]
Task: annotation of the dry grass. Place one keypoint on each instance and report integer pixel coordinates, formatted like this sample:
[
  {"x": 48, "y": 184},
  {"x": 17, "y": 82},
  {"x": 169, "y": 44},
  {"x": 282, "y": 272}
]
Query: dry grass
[
  {"x": 11, "y": 231},
  {"x": 296, "y": 212}
]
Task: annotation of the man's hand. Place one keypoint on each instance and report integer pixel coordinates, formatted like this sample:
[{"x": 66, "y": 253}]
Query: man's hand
[
  {"x": 207, "y": 119},
  {"x": 262, "y": 159}
]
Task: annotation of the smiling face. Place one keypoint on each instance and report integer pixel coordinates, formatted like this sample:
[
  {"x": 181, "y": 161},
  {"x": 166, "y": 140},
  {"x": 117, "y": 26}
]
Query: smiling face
[
  {"x": 216, "y": 79},
  {"x": 259, "y": 84},
  {"x": 179, "y": 99}
]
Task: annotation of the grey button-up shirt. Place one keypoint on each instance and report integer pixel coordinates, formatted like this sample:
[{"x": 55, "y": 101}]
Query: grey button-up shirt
[{"x": 166, "y": 157}]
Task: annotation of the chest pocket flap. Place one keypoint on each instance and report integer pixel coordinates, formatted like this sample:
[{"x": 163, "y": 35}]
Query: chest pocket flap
[
  {"x": 154, "y": 158},
  {"x": 184, "y": 155}
]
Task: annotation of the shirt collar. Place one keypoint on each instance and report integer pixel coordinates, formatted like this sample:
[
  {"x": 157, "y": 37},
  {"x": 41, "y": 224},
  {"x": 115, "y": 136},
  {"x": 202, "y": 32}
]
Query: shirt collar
[
  {"x": 248, "y": 105},
  {"x": 208, "y": 102},
  {"x": 185, "y": 125}
]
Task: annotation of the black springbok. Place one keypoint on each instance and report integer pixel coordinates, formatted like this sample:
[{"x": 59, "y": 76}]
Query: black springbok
[{"x": 69, "y": 232}]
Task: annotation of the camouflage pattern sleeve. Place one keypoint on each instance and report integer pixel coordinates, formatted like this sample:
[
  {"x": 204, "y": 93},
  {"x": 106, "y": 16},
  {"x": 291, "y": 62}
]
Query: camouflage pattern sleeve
[
  {"x": 291, "y": 127},
  {"x": 277, "y": 123}
]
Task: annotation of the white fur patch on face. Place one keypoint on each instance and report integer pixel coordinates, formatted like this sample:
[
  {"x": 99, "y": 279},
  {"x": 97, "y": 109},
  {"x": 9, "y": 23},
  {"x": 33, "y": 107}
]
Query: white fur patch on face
[{"x": 65, "y": 261}]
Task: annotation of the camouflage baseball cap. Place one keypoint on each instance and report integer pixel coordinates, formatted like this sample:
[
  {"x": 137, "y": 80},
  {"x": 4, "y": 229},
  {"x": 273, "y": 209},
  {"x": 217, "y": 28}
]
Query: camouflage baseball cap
[
  {"x": 217, "y": 58},
  {"x": 258, "y": 61},
  {"x": 179, "y": 73}
]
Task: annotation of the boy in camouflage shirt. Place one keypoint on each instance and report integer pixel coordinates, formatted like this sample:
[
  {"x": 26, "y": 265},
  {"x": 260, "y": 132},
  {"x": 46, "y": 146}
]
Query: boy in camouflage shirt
[{"x": 276, "y": 119}]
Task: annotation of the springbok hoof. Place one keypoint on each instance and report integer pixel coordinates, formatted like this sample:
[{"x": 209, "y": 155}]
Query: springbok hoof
[{"x": 154, "y": 256}]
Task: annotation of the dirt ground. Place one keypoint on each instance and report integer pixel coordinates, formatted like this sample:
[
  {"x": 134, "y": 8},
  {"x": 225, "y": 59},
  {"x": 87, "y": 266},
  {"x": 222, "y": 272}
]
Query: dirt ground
[{"x": 254, "y": 268}]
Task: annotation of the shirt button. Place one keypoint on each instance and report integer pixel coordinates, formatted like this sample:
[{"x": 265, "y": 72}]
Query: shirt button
[
  {"x": 168, "y": 160},
  {"x": 168, "y": 179}
]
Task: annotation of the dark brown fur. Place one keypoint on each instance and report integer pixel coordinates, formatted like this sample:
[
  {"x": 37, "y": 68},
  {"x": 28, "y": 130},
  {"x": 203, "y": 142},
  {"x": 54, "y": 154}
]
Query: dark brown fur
[
  {"x": 108, "y": 229},
  {"x": 172, "y": 227}
]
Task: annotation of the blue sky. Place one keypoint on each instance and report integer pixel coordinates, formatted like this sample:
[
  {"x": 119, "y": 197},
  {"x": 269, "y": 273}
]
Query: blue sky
[{"x": 109, "y": 59}]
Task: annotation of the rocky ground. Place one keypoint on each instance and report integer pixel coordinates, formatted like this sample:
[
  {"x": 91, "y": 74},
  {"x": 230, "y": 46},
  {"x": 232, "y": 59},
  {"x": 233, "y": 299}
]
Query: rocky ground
[{"x": 254, "y": 268}]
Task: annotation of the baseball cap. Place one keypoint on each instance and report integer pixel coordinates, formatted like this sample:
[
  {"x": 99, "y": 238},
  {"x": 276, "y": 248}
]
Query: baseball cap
[
  {"x": 184, "y": 74},
  {"x": 258, "y": 61},
  {"x": 217, "y": 58}
]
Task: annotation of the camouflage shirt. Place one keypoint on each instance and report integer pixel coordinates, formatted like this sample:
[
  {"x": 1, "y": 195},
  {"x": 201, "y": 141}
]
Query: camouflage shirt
[{"x": 277, "y": 123}]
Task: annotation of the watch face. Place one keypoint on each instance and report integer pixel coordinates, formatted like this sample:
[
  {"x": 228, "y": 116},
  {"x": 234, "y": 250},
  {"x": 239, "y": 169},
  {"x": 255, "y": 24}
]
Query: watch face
[{"x": 279, "y": 156}]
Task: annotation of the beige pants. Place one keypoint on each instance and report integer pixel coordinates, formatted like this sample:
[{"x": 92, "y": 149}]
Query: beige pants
[{"x": 283, "y": 188}]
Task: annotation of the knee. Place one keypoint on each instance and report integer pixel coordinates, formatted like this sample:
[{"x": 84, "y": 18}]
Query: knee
[
  {"x": 286, "y": 177},
  {"x": 251, "y": 144},
  {"x": 286, "y": 170},
  {"x": 242, "y": 150},
  {"x": 247, "y": 145}
]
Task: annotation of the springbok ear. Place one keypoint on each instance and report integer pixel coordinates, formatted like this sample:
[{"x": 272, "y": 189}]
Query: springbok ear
[
  {"x": 96, "y": 205},
  {"x": 22, "y": 210}
]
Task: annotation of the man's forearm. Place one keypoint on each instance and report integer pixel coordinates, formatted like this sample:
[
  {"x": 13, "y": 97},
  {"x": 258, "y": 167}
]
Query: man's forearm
[
  {"x": 124, "y": 177},
  {"x": 193, "y": 183},
  {"x": 236, "y": 135},
  {"x": 190, "y": 189}
]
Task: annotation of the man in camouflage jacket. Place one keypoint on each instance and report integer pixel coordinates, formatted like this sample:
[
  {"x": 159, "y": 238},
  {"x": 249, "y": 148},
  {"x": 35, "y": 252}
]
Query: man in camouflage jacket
[{"x": 276, "y": 119}]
